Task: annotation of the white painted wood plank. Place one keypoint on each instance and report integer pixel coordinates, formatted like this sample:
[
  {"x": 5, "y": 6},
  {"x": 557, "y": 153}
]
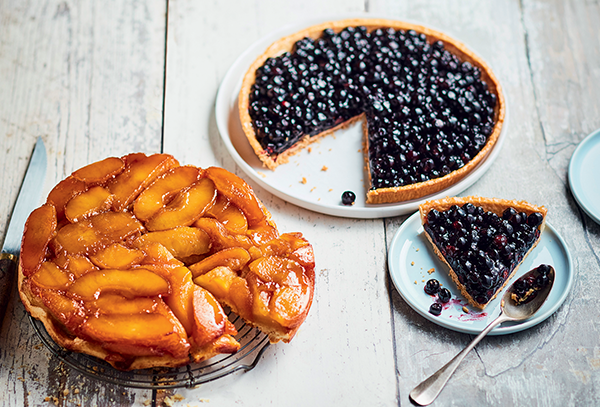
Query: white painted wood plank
[
  {"x": 343, "y": 354},
  {"x": 88, "y": 78}
]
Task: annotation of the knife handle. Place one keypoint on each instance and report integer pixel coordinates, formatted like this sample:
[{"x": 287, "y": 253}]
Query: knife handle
[{"x": 8, "y": 267}]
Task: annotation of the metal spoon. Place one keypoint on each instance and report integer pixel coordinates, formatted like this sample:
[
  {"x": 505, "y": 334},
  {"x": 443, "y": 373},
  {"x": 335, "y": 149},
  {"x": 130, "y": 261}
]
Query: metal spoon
[{"x": 429, "y": 389}]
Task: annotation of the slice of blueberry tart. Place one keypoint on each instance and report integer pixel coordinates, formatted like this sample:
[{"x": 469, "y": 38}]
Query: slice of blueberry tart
[
  {"x": 431, "y": 109},
  {"x": 482, "y": 240}
]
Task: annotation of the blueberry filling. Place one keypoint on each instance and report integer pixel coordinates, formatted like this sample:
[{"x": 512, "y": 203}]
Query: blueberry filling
[
  {"x": 481, "y": 247},
  {"x": 526, "y": 288},
  {"x": 427, "y": 112}
]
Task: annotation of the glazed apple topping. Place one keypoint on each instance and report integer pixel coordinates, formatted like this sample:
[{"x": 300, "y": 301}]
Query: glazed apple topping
[{"x": 137, "y": 256}]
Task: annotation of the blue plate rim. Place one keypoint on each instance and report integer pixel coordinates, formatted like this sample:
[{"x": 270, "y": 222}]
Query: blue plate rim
[
  {"x": 499, "y": 330},
  {"x": 575, "y": 160}
]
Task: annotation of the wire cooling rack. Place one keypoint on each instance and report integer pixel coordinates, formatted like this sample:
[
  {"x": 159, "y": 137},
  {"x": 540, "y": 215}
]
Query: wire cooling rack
[{"x": 253, "y": 344}]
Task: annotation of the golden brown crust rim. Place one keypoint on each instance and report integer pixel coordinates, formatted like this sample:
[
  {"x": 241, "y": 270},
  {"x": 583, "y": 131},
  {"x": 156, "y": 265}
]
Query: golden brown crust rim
[
  {"x": 495, "y": 205},
  {"x": 382, "y": 195}
]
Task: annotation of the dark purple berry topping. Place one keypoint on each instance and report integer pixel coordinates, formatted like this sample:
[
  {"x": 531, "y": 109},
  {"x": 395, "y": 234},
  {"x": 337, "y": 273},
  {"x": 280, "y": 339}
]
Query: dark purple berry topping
[
  {"x": 526, "y": 288},
  {"x": 427, "y": 112}
]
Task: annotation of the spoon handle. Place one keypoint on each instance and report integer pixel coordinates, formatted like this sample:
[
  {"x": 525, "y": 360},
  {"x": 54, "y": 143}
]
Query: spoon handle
[{"x": 429, "y": 389}]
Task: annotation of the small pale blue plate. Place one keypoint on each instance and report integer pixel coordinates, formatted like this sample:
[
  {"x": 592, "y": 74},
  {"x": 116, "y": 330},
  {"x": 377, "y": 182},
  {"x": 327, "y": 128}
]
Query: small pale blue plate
[
  {"x": 412, "y": 262},
  {"x": 584, "y": 170}
]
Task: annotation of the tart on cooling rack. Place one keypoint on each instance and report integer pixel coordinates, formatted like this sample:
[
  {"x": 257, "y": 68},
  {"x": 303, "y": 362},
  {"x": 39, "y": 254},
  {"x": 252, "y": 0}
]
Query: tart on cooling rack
[
  {"x": 432, "y": 110},
  {"x": 482, "y": 240},
  {"x": 132, "y": 259}
]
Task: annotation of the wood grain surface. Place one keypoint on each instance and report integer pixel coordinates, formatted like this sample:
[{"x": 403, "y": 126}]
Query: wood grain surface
[{"x": 98, "y": 79}]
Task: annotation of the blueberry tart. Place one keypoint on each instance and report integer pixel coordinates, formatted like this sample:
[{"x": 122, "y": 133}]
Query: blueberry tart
[
  {"x": 482, "y": 240},
  {"x": 431, "y": 109}
]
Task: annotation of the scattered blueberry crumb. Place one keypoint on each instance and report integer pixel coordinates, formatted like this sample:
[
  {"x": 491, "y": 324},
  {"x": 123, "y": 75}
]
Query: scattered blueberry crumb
[
  {"x": 435, "y": 309},
  {"x": 432, "y": 286},
  {"x": 444, "y": 295},
  {"x": 348, "y": 198}
]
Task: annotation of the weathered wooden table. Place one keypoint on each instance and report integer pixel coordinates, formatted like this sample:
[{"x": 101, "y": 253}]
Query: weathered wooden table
[{"x": 98, "y": 79}]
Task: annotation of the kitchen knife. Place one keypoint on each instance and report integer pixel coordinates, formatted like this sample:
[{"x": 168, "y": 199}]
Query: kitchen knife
[{"x": 27, "y": 200}]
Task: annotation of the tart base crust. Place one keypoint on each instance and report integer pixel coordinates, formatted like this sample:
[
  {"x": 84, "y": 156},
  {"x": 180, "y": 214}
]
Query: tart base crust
[
  {"x": 495, "y": 205},
  {"x": 381, "y": 195}
]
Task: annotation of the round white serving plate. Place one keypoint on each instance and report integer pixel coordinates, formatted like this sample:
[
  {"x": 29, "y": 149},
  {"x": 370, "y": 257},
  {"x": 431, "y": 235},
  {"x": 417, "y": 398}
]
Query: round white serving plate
[{"x": 316, "y": 177}]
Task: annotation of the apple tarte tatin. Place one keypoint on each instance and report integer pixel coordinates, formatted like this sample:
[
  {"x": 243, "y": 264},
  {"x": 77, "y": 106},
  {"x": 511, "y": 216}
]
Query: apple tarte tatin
[{"x": 132, "y": 259}]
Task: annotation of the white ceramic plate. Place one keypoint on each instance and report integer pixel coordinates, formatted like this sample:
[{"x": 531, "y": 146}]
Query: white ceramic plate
[
  {"x": 584, "y": 168},
  {"x": 315, "y": 178},
  {"x": 411, "y": 259}
]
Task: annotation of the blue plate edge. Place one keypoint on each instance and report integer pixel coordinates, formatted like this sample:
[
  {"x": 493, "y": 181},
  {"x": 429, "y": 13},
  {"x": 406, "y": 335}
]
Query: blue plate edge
[{"x": 572, "y": 168}]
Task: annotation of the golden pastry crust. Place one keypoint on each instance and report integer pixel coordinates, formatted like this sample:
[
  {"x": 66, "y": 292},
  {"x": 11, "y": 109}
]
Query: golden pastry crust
[
  {"x": 114, "y": 264},
  {"x": 381, "y": 195},
  {"x": 495, "y": 205}
]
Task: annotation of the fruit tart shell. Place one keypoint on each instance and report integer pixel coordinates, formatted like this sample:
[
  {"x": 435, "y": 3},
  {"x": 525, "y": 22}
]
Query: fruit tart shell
[
  {"x": 381, "y": 195},
  {"x": 495, "y": 205}
]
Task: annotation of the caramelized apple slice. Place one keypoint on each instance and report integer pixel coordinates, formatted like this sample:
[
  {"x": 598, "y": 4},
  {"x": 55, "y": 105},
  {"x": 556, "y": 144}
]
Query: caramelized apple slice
[
  {"x": 138, "y": 334},
  {"x": 62, "y": 193},
  {"x": 157, "y": 255},
  {"x": 219, "y": 235},
  {"x": 116, "y": 226},
  {"x": 79, "y": 265},
  {"x": 138, "y": 174},
  {"x": 262, "y": 234},
  {"x": 117, "y": 304},
  {"x": 91, "y": 235},
  {"x": 209, "y": 318},
  {"x": 180, "y": 299},
  {"x": 117, "y": 256},
  {"x": 217, "y": 281},
  {"x": 100, "y": 171},
  {"x": 39, "y": 230},
  {"x": 234, "y": 257},
  {"x": 77, "y": 239},
  {"x": 157, "y": 195},
  {"x": 229, "y": 215},
  {"x": 279, "y": 290},
  {"x": 69, "y": 312},
  {"x": 49, "y": 275},
  {"x": 291, "y": 245},
  {"x": 238, "y": 192},
  {"x": 129, "y": 283},
  {"x": 182, "y": 242},
  {"x": 185, "y": 208},
  {"x": 92, "y": 202}
]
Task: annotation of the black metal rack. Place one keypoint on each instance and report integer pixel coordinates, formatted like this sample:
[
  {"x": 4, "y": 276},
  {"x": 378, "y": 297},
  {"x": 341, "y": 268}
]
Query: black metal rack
[{"x": 253, "y": 344}]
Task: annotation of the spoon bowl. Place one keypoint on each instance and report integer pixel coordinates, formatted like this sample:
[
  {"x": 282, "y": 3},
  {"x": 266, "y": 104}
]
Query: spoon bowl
[
  {"x": 520, "y": 302},
  {"x": 535, "y": 285}
]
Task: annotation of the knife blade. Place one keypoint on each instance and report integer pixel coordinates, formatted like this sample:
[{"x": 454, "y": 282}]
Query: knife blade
[{"x": 27, "y": 200}]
